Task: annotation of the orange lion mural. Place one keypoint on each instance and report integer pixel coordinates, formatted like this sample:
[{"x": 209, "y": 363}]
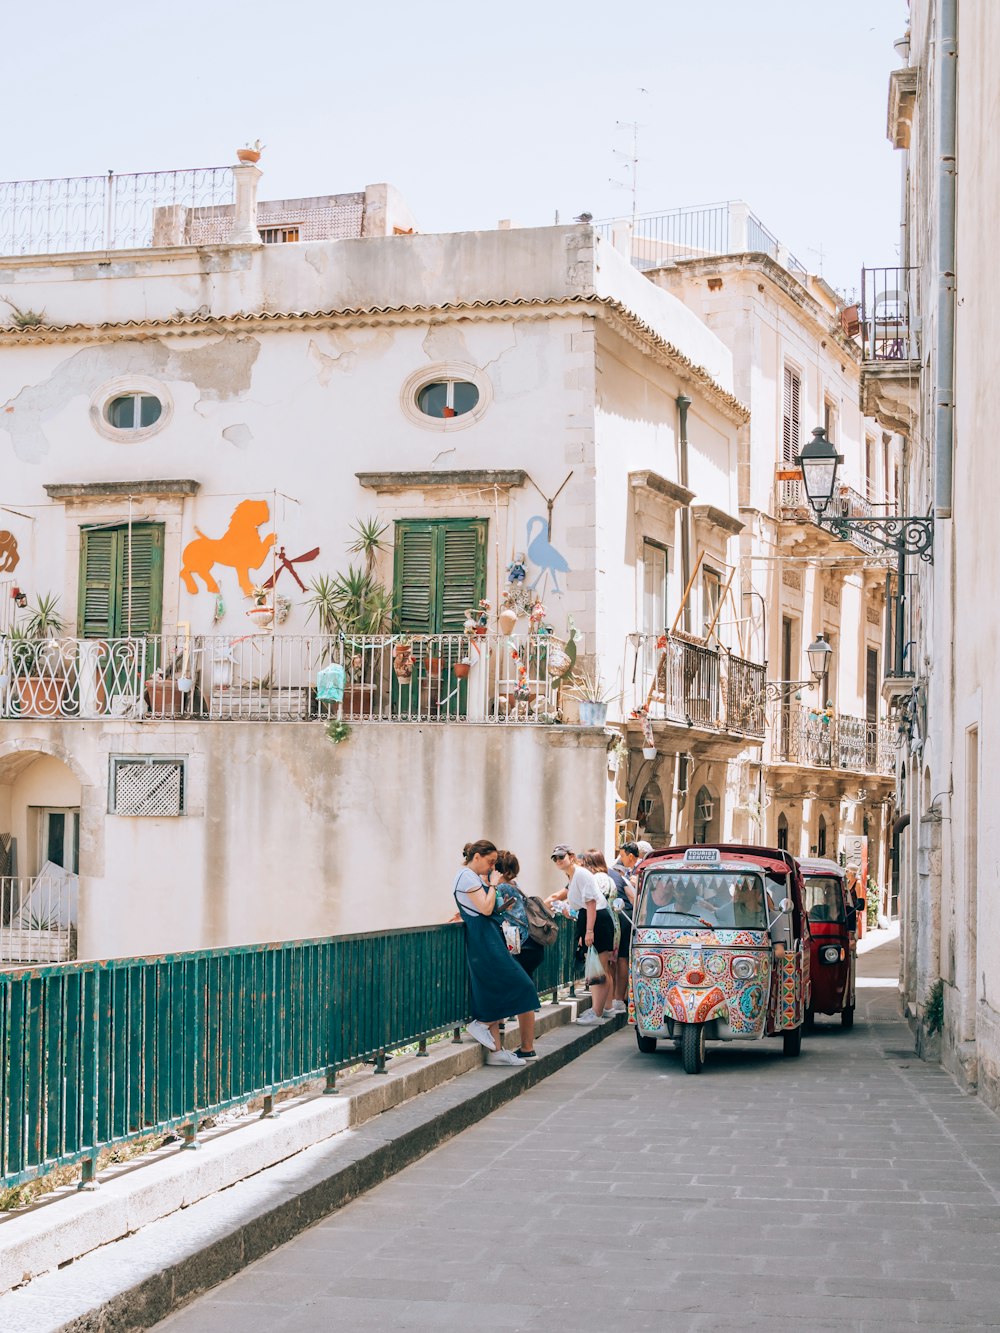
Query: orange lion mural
[{"x": 241, "y": 547}]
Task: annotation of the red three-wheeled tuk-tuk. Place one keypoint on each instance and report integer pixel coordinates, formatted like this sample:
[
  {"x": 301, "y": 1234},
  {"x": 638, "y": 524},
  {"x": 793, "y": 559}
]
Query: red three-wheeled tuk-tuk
[
  {"x": 832, "y": 911},
  {"x": 720, "y": 949}
]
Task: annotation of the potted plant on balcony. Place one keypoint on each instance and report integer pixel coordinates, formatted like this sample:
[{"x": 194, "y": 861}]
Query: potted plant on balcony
[
  {"x": 355, "y": 606},
  {"x": 250, "y": 152},
  {"x": 593, "y": 696},
  {"x": 40, "y": 663}
]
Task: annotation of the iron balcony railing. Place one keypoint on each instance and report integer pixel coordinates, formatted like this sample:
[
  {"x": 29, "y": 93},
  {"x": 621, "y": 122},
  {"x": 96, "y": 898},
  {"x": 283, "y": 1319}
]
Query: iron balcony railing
[
  {"x": 674, "y": 678},
  {"x": 116, "y": 212},
  {"x": 791, "y": 505},
  {"x": 820, "y": 738},
  {"x": 887, "y": 332},
  {"x": 37, "y": 918},
  {"x": 278, "y": 677},
  {"x": 725, "y": 228},
  {"x": 98, "y": 1053}
]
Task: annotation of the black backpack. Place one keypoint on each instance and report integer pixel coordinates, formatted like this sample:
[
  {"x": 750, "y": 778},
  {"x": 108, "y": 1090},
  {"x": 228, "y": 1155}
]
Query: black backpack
[{"x": 543, "y": 928}]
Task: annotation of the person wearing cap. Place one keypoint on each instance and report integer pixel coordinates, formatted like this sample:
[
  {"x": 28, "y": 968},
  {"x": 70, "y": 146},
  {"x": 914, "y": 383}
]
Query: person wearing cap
[
  {"x": 623, "y": 877},
  {"x": 594, "y": 925}
]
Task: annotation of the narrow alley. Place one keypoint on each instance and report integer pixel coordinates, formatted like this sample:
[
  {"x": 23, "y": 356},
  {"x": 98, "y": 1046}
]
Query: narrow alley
[{"x": 855, "y": 1188}]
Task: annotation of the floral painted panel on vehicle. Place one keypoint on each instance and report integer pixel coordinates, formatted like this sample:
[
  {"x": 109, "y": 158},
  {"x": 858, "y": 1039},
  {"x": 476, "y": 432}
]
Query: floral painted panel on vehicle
[{"x": 698, "y": 978}]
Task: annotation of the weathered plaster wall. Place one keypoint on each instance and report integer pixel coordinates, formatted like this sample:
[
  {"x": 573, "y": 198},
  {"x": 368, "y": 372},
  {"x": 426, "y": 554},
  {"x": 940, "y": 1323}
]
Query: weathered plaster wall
[{"x": 289, "y": 836}]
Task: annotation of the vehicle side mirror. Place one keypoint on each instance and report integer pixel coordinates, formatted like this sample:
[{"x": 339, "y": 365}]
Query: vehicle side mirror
[
  {"x": 618, "y": 905},
  {"x": 785, "y": 905}
]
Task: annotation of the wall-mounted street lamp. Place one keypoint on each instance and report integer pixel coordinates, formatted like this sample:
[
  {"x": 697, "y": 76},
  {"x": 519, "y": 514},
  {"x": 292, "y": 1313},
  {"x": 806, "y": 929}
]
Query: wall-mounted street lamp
[
  {"x": 907, "y": 535},
  {"x": 818, "y": 653}
]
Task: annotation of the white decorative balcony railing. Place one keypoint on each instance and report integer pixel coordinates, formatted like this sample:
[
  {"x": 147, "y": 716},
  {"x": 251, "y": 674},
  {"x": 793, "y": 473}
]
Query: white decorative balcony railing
[
  {"x": 135, "y": 211},
  {"x": 676, "y": 679},
  {"x": 37, "y": 918},
  {"x": 816, "y": 738},
  {"x": 285, "y": 678}
]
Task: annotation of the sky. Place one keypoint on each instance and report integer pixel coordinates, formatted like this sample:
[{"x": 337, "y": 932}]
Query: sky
[{"x": 478, "y": 112}]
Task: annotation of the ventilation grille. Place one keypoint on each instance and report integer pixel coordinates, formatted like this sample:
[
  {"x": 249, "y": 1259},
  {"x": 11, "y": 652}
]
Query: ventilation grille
[{"x": 152, "y": 787}]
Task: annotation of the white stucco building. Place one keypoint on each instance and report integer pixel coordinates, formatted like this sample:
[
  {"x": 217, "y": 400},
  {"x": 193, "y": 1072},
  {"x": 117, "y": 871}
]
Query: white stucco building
[
  {"x": 931, "y": 368},
  {"x": 196, "y": 417}
]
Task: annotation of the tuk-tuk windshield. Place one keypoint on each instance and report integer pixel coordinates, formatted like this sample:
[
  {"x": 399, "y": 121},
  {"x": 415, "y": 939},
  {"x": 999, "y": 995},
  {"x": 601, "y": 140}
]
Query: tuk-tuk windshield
[
  {"x": 674, "y": 898},
  {"x": 824, "y": 898}
]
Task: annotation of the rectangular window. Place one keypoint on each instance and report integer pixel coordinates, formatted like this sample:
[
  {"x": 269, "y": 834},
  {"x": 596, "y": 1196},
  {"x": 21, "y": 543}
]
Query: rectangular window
[
  {"x": 279, "y": 235},
  {"x": 439, "y": 573},
  {"x": 830, "y": 419},
  {"x": 791, "y": 416},
  {"x": 711, "y": 597},
  {"x": 654, "y": 588},
  {"x": 59, "y": 838},
  {"x": 144, "y": 785},
  {"x": 871, "y": 485},
  {"x": 121, "y": 581}
]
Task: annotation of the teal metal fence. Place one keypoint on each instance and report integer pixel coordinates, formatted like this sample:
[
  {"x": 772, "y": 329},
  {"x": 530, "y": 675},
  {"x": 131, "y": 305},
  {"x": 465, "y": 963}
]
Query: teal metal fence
[{"x": 97, "y": 1053}]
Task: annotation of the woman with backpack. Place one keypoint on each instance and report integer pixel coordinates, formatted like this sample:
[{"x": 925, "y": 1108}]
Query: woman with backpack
[
  {"x": 498, "y": 986},
  {"x": 513, "y": 910}
]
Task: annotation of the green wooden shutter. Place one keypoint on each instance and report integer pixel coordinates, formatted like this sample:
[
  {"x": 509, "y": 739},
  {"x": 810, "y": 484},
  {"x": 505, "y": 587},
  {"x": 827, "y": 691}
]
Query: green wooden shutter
[
  {"x": 142, "y": 566},
  {"x": 440, "y": 572},
  {"x": 96, "y": 602},
  {"x": 106, "y": 567},
  {"x": 413, "y": 592},
  {"x": 462, "y": 577}
]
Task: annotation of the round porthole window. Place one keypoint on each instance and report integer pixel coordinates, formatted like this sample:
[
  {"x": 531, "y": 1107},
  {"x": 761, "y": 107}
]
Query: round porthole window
[
  {"x": 130, "y": 409},
  {"x": 448, "y": 396},
  {"x": 133, "y": 411}
]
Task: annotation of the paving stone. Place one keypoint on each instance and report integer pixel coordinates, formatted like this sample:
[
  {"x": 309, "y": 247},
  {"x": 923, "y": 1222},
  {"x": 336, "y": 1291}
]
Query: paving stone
[{"x": 851, "y": 1189}]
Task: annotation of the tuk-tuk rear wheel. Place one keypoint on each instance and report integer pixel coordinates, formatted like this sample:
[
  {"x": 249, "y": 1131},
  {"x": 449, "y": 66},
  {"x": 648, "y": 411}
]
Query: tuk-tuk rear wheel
[
  {"x": 693, "y": 1048},
  {"x": 647, "y": 1045},
  {"x": 791, "y": 1043},
  {"x": 847, "y": 1017}
]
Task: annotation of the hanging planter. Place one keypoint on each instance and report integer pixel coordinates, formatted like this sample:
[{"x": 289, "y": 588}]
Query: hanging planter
[
  {"x": 507, "y": 619},
  {"x": 649, "y": 752},
  {"x": 402, "y": 662},
  {"x": 462, "y": 670}
]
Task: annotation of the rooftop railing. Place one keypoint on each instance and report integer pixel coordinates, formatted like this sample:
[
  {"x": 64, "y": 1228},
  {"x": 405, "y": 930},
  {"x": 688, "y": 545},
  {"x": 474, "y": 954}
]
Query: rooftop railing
[
  {"x": 887, "y": 332},
  {"x": 655, "y": 239},
  {"x": 817, "y": 738},
  {"x": 132, "y": 211},
  {"x": 677, "y": 679}
]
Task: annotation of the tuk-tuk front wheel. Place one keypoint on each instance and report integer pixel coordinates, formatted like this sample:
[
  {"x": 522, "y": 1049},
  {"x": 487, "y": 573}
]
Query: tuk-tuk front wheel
[
  {"x": 693, "y": 1048},
  {"x": 792, "y": 1042},
  {"x": 847, "y": 1017},
  {"x": 647, "y": 1045}
]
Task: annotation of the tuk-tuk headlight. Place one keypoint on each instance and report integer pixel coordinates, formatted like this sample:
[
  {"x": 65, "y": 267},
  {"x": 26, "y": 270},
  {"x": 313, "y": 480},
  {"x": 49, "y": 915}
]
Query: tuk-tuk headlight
[
  {"x": 830, "y": 953},
  {"x": 650, "y": 966},
  {"x": 744, "y": 968}
]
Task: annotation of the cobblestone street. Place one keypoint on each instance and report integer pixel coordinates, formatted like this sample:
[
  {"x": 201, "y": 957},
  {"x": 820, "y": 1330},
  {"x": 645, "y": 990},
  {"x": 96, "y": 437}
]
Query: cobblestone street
[{"x": 853, "y": 1188}]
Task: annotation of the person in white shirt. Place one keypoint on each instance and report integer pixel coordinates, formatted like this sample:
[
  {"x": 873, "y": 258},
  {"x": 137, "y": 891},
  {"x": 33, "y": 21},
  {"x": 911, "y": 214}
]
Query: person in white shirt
[{"x": 594, "y": 924}]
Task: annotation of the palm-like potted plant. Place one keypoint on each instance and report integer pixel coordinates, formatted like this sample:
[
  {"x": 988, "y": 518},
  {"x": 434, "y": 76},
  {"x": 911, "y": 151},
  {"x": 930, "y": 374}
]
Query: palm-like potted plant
[
  {"x": 589, "y": 688},
  {"x": 356, "y": 606},
  {"x": 39, "y": 662}
]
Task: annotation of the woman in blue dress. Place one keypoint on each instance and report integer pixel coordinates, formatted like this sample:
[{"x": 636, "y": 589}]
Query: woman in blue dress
[{"x": 499, "y": 987}]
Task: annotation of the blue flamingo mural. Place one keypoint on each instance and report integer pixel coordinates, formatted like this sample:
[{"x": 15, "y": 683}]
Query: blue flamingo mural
[{"x": 542, "y": 553}]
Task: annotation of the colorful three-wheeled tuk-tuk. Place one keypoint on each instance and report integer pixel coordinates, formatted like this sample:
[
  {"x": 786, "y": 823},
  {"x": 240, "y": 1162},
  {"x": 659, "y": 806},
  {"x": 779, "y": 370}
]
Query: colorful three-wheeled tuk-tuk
[
  {"x": 832, "y": 911},
  {"x": 720, "y": 949}
]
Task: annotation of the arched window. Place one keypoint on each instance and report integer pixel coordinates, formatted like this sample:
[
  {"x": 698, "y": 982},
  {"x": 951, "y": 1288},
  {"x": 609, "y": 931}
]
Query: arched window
[
  {"x": 783, "y": 833},
  {"x": 704, "y": 815}
]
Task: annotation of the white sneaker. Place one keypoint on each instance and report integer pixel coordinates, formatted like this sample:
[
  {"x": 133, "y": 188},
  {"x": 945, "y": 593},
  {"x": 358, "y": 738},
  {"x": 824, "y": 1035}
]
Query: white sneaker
[
  {"x": 619, "y": 1007},
  {"x": 503, "y": 1058},
  {"x": 590, "y": 1017},
  {"x": 481, "y": 1033}
]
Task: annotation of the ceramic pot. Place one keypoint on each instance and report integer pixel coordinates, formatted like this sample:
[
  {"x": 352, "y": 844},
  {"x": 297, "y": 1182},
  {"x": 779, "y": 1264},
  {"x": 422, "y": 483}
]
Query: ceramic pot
[
  {"x": 261, "y": 617},
  {"x": 649, "y": 752},
  {"x": 462, "y": 670},
  {"x": 247, "y": 155},
  {"x": 507, "y": 619}
]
